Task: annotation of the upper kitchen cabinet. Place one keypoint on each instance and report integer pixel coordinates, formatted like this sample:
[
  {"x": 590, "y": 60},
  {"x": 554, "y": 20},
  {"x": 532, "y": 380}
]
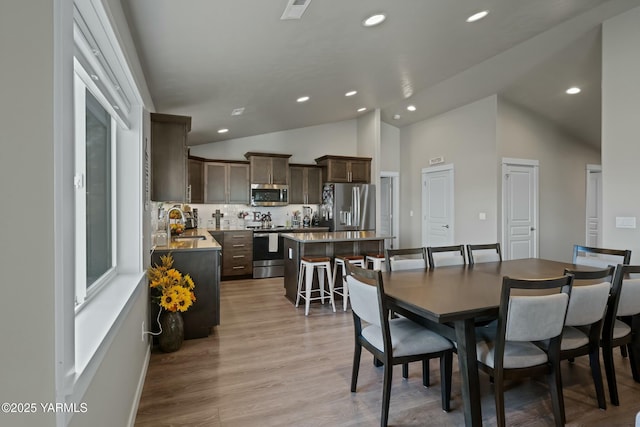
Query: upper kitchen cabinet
[
  {"x": 169, "y": 157},
  {"x": 196, "y": 181},
  {"x": 226, "y": 182},
  {"x": 269, "y": 168},
  {"x": 306, "y": 185},
  {"x": 345, "y": 169}
]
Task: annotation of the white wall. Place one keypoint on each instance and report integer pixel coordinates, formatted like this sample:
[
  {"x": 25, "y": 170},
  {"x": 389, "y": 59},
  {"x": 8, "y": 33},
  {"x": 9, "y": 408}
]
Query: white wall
[
  {"x": 389, "y": 148},
  {"x": 465, "y": 137},
  {"x": 620, "y": 117},
  {"x": 27, "y": 186},
  {"x": 562, "y": 175},
  {"x": 304, "y": 144}
]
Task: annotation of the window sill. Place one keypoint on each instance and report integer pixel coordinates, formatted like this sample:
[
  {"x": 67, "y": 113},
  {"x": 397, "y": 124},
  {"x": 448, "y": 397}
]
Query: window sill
[{"x": 97, "y": 324}]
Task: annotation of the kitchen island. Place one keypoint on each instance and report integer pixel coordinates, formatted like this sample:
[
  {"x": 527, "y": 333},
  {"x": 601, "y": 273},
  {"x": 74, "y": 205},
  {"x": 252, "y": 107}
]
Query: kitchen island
[
  {"x": 196, "y": 253},
  {"x": 329, "y": 244}
]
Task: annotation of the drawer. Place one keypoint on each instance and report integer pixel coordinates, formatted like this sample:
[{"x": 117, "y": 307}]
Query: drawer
[
  {"x": 237, "y": 255},
  {"x": 237, "y": 268},
  {"x": 236, "y": 238}
]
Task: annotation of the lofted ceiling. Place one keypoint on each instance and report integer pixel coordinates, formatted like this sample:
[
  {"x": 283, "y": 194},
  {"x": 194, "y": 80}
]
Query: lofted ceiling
[{"x": 205, "y": 58}]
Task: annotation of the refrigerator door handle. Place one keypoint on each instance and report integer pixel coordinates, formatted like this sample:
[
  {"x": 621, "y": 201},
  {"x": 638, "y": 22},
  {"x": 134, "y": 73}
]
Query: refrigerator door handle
[{"x": 356, "y": 207}]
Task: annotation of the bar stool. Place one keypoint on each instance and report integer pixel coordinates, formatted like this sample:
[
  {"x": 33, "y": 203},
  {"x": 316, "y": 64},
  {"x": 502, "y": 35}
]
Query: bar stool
[
  {"x": 307, "y": 266},
  {"x": 339, "y": 261},
  {"x": 377, "y": 261}
]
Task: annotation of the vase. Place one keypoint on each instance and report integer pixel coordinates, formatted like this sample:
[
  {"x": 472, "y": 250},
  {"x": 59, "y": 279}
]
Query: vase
[{"x": 172, "y": 335}]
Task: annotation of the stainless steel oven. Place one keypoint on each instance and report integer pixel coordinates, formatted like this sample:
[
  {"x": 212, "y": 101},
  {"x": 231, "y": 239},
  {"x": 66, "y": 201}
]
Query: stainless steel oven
[{"x": 268, "y": 254}]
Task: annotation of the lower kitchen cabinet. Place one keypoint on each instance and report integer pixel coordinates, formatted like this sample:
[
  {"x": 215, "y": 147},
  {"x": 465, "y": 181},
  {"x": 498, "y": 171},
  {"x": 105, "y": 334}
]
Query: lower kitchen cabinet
[{"x": 237, "y": 253}]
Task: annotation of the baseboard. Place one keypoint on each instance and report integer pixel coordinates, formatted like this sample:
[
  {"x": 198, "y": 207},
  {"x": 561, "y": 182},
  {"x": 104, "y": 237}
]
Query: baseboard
[{"x": 143, "y": 375}]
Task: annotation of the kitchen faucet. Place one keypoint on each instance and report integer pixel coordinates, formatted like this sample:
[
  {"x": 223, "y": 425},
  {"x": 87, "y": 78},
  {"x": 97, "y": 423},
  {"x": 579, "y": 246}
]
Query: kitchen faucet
[{"x": 174, "y": 208}]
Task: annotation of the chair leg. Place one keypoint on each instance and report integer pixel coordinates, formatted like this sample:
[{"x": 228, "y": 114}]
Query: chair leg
[
  {"x": 557, "y": 397},
  {"x": 623, "y": 351},
  {"x": 607, "y": 357},
  {"x": 386, "y": 394},
  {"x": 594, "y": 362},
  {"x": 377, "y": 363},
  {"x": 307, "y": 288},
  {"x": 345, "y": 293},
  {"x": 405, "y": 370},
  {"x": 498, "y": 390},
  {"x": 321, "y": 283},
  {"x": 446, "y": 367},
  {"x": 300, "y": 277},
  {"x": 634, "y": 361},
  {"x": 331, "y": 287},
  {"x": 426, "y": 381},
  {"x": 356, "y": 367}
]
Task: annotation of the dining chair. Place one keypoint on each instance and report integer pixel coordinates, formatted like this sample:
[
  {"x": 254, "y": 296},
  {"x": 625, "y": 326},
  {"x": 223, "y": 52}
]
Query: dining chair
[
  {"x": 621, "y": 324},
  {"x": 440, "y": 256},
  {"x": 405, "y": 259},
  {"x": 600, "y": 257},
  {"x": 392, "y": 341},
  {"x": 507, "y": 351},
  {"x": 583, "y": 325},
  {"x": 489, "y": 252}
]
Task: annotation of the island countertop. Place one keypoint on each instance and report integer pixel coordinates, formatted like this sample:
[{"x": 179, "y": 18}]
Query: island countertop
[{"x": 335, "y": 236}]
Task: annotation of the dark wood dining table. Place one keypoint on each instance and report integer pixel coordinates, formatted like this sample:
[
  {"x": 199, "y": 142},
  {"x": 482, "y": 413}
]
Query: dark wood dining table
[{"x": 451, "y": 299}]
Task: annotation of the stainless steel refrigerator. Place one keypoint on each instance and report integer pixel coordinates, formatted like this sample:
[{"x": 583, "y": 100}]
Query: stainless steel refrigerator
[{"x": 348, "y": 207}]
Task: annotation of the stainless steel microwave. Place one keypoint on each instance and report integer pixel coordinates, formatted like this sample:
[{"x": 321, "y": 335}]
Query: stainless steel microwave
[{"x": 269, "y": 195}]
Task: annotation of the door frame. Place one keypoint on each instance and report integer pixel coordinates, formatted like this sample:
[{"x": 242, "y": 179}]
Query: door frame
[
  {"x": 440, "y": 168},
  {"x": 535, "y": 164},
  {"x": 395, "y": 213},
  {"x": 592, "y": 169}
]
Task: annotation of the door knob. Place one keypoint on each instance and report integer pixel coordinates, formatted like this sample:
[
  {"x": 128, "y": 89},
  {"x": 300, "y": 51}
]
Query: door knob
[
  {"x": 533, "y": 229},
  {"x": 446, "y": 226}
]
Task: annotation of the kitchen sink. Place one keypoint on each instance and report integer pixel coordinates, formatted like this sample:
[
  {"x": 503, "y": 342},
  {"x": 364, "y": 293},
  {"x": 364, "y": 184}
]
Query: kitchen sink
[{"x": 183, "y": 238}]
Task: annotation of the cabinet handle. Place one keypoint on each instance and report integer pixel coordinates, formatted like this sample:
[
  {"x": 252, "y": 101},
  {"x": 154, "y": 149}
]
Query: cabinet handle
[
  {"x": 238, "y": 256},
  {"x": 237, "y": 236},
  {"x": 239, "y": 246},
  {"x": 239, "y": 267}
]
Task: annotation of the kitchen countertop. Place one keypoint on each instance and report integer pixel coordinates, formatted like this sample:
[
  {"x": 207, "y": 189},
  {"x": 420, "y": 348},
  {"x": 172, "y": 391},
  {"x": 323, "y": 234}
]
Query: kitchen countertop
[
  {"x": 335, "y": 236},
  {"x": 278, "y": 229},
  {"x": 183, "y": 243}
]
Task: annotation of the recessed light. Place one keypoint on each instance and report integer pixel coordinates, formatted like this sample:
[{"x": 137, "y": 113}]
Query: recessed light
[
  {"x": 374, "y": 20},
  {"x": 573, "y": 90},
  {"x": 95, "y": 77},
  {"x": 302, "y": 99},
  {"x": 477, "y": 16},
  {"x": 237, "y": 111},
  {"x": 115, "y": 107},
  {"x": 396, "y": 117},
  {"x": 411, "y": 107},
  {"x": 351, "y": 93},
  {"x": 361, "y": 109},
  {"x": 224, "y": 130}
]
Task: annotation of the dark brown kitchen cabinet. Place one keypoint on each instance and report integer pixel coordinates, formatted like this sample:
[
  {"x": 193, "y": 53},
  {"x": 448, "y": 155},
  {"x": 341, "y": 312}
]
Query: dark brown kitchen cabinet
[
  {"x": 196, "y": 181},
  {"x": 237, "y": 253},
  {"x": 345, "y": 169},
  {"x": 226, "y": 182},
  {"x": 306, "y": 185},
  {"x": 269, "y": 168},
  {"x": 169, "y": 157}
]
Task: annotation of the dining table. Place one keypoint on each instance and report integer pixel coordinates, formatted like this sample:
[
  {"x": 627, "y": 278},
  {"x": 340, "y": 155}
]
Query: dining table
[{"x": 451, "y": 300}]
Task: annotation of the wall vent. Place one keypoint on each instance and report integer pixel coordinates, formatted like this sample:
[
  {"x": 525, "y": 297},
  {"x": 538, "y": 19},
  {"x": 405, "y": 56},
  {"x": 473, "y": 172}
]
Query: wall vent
[{"x": 295, "y": 9}]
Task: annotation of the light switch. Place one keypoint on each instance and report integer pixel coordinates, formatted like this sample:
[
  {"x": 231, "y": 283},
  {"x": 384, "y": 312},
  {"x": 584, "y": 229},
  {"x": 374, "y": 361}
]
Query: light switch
[
  {"x": 482, "y": 216},
  {"x": 410, "y": 213},
  {"x": 290, "y": 253},
  {"x": 625, "y": 222}
]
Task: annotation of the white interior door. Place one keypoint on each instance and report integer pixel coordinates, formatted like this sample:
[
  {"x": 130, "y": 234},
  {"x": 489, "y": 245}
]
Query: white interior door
[
  {"x": 437, "y": 206},
  {"x": 520, "y": 208},
  {"x": 386, "y": 209},
  {"x": 594, "y": 206}
]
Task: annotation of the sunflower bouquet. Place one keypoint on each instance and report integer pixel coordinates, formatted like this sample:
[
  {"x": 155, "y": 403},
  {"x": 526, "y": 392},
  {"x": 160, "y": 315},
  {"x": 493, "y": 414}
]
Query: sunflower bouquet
[{"x": 172, "y": 290}]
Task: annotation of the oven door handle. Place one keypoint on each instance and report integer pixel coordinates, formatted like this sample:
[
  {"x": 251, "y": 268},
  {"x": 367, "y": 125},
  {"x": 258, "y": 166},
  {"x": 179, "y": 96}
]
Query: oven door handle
[{"x": 260, "y": 234}]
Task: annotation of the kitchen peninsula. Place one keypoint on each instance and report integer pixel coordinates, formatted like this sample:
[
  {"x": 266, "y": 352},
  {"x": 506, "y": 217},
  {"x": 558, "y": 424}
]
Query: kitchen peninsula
[{"x": 329, "y": 244}]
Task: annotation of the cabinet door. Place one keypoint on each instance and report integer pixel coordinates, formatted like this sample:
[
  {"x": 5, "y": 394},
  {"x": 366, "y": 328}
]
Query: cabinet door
[
  {"x": 238, "y": 184},
  {"x": 168, "y": 162},
  {"x": 314, "y": 186},
  {"x": 279, "y": 170},
  {"x": 260, "y": 170},
  {"x": 337, "y": 170},
  {"x": 196, "y": 181},
  {"x": 296, "y": 188},
  {"x": 360, "y": 171},
  {"x": 215, "y": 183}
]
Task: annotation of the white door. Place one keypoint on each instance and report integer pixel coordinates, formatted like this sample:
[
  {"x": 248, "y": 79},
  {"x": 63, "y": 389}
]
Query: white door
[
  {"x": 437, "y": 206},
  {"x": 520, "y": 208},
  {"x": 386, "y": 210},
  {"x": 594, "y": 206}
]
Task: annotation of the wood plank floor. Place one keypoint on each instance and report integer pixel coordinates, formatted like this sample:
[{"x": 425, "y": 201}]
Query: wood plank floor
[{"x": 269, "y": 365}]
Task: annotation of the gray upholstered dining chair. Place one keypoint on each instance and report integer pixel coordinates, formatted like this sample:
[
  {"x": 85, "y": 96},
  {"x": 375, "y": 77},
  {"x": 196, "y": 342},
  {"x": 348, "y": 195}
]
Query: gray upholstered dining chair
[
  {"x": 440, "y": 256},
  {"x": 507, "y": 351},
  {"x": 621, "y": 324},
  {"x": 392, "y": 341},
  {"x": 600, "y": 257},
  {"x": 406, "y": 259},
  {"x": 489, "y": 252}
]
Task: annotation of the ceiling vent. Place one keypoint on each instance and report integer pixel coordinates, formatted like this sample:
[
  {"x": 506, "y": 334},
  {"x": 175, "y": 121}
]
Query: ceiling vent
[{"x": 295, "y": 9}]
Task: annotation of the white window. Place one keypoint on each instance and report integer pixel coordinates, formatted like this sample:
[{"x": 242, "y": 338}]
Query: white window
[{"x": 94, "y": 180}]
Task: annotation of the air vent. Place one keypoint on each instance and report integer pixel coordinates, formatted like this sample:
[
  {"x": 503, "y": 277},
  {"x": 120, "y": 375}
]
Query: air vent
[{"x": 295, "y": 9}]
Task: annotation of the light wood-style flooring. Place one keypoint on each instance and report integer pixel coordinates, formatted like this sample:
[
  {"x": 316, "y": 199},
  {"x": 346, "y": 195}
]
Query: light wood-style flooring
[{"x": 269, "y": 365}]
